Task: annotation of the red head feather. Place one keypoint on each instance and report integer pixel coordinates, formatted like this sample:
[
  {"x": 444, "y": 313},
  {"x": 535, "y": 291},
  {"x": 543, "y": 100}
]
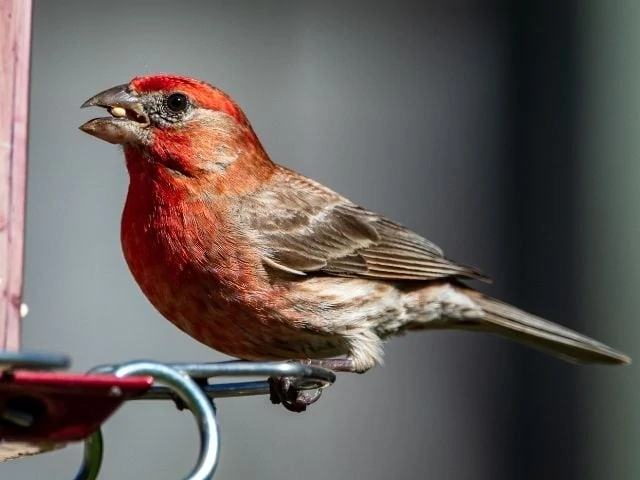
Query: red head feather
[
  {"x": 197, "y": 150},
  {"x": 201, "y": 93}
]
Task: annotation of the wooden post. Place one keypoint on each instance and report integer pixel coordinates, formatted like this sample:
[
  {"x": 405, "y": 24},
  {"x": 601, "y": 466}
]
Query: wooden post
[{"x": 15, "y": 40}]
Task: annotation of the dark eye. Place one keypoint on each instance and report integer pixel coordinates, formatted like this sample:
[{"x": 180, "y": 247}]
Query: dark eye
[{"x": 177, "y": 102}]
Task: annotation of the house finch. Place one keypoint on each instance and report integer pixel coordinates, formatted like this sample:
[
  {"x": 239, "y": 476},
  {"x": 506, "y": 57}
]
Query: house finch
[{"x": 262, "y": 263}]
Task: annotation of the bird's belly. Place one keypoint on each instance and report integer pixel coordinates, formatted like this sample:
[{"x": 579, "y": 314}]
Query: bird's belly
[
  {"x": 230, "y": 320},
  {"x": 242, "y": 330}
]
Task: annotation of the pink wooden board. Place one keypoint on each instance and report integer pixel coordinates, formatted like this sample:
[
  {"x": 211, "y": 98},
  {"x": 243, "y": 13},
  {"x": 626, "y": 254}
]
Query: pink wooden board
[{"x": 15, "y": 37}]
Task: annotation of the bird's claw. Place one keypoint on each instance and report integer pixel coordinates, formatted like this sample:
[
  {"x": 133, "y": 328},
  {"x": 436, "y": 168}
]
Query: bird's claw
[{"x": 284, "y": 391}]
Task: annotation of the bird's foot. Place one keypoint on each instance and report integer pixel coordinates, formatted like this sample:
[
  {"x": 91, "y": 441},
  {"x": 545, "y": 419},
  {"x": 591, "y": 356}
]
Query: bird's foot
[{"x": 283, "y": 390}]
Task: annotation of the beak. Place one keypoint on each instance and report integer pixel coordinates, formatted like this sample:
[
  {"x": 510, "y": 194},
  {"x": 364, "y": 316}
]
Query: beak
[{"x": 128, "y": 121}]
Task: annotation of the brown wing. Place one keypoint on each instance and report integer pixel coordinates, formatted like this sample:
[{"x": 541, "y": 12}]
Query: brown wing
[{"x": 304, "y": 227}]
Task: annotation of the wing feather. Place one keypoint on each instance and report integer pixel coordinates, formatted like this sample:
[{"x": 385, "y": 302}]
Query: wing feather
[{"x": 303, "y": 227}]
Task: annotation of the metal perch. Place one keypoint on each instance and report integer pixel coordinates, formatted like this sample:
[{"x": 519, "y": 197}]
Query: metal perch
[{"x": 178, "y": 379}]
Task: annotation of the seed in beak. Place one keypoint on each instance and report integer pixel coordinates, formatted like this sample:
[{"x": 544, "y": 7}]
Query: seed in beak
[{"x": 118, "y": 112}]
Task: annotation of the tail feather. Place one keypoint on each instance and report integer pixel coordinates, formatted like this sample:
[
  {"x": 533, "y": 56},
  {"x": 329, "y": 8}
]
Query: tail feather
[{"x": 510, "y": 322}]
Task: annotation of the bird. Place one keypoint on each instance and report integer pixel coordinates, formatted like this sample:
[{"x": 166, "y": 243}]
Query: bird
[{"x": 262, "y": 263}]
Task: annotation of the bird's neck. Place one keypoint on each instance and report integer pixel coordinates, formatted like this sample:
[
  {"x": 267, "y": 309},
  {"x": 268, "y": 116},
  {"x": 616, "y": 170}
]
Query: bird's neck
[
  {"x": 206, "y": 160},
  {"x": 152, "y": 183}
]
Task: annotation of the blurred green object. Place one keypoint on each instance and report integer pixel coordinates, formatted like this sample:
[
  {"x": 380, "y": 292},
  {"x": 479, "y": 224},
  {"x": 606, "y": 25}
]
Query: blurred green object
[{"x": 610, "y": 221}]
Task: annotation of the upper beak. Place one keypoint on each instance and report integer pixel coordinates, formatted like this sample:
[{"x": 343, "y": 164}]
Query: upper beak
[{"x": 127, "y": 120}]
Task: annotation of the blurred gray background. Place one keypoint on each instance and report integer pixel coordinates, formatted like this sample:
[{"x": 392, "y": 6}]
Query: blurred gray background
[{"x": 505, "y": 132}]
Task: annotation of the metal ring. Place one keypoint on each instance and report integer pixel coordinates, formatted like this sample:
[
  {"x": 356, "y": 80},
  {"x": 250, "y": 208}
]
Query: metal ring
[
  {"x": 91, "y": 458},
  {"x": 196, "y": 401}
]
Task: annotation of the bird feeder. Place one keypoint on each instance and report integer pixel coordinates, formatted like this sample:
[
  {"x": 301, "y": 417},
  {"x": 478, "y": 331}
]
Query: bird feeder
[{"x": 43, "y": 407}]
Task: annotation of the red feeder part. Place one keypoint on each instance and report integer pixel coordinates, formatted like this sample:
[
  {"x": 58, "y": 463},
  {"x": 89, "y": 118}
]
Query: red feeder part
[
  {"x": 49, "y": 408},
  {"x": 61, "y": 407}
]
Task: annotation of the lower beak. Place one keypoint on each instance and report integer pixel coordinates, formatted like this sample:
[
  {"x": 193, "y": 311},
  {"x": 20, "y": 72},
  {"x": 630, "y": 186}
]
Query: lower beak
[{"x": 128, "y": 121}]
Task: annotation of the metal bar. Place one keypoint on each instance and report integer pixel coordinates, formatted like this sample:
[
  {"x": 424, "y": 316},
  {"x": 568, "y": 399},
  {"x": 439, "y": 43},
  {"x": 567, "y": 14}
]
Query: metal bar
[
  {"x": 307, "y": 377},
  {"x": 15, "y": 38},
  {"x": 224, "y": 390},
  {"x": 33, "y": 361},
  {"x": 241, "y": 368}
]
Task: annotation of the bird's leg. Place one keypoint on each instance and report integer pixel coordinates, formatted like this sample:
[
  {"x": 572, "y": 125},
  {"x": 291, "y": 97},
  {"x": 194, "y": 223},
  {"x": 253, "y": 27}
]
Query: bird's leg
[
  {"x": 334, "y": 364},
  {"x": 283, "y": 389}
]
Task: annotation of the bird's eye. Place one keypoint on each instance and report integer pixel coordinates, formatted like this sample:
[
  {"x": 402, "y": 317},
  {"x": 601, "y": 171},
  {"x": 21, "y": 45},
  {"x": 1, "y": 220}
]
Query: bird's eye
[{"x": 177, "y": 102}]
